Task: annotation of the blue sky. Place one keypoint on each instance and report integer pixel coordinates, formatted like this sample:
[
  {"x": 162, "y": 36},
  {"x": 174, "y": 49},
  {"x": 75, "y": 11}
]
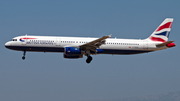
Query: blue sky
[{"x": 48, "y": 76}]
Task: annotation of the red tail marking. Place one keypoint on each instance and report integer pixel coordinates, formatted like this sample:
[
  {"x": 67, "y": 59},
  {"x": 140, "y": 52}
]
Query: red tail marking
[
  {"x": 171, "y": 45},
  {"x": 167, "y": 25},
  {"x": 157, "y": 39}
]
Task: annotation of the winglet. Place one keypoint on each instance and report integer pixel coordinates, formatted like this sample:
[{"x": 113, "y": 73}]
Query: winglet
[{"x": 110, "y": 35}]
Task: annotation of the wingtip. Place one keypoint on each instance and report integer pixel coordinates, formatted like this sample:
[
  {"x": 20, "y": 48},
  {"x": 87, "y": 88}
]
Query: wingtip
[{"x": 110, "y": 35}]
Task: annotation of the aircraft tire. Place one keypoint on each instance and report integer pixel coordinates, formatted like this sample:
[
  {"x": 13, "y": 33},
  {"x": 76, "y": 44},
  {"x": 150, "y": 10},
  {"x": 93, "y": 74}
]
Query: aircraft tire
[
  {"x": 89, "y": 59},
  {"x": 23, "y": 57}
]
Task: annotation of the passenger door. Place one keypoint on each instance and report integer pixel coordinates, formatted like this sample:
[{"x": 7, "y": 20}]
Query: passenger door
[
  {"x": 145, "y": 44},
  {"x": 58, "y": 42}
]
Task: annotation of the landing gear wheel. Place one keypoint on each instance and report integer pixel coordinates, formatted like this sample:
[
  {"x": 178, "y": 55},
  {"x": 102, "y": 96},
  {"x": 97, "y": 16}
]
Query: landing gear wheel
[
  {"x": 23, "y": 57},
  {"x": 89, "y": 59}
]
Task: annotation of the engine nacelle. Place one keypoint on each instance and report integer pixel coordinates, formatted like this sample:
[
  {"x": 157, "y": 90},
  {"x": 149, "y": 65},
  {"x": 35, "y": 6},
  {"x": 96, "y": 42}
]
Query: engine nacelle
[
  {"x": 72, "y": 51},
  {"x": 73, "y": 56}
]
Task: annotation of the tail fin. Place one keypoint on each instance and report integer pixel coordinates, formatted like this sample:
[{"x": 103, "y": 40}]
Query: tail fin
[{"x": 161, "y": 34}]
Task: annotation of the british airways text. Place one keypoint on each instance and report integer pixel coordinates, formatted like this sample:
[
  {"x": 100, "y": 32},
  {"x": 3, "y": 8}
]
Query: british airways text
[{"x": 42, "y": 42}]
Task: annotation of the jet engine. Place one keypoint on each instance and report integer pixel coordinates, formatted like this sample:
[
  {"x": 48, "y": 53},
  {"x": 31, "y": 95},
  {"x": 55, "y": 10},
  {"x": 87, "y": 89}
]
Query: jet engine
[{"x": 72, "y": 53}]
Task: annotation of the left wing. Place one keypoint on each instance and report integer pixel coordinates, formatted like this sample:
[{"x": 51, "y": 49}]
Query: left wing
[{"x": 93, "y": 45}]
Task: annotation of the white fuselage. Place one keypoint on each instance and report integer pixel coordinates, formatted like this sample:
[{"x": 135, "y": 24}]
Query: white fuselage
[
  {"x": 76, "y": 47},
  {"x": 57, "y": 44}
]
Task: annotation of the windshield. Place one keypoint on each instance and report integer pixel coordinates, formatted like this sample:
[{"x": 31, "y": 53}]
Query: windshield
[{"x": 13, "y": 39}]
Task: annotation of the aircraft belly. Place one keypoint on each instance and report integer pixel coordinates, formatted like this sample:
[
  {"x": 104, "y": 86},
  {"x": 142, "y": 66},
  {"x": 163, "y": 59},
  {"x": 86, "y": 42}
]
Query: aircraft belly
[
  {"x": 110, "y": 49},
  {"x": 38, "y": 49},
  {"x": 125, "y": 52}
]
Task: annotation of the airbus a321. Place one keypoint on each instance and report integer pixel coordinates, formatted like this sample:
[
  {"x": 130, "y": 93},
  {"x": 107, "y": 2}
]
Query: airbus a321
[{"x": 76, "y": 47}]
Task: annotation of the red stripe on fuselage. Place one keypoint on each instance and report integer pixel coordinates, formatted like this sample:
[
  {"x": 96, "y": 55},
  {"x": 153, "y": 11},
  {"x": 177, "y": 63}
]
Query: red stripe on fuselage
[
  {"x": 28, "y": 38},
  {"x": 167, "y": 25}
]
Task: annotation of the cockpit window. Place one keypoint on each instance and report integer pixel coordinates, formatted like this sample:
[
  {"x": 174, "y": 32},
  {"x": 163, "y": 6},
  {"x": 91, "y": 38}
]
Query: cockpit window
[{"x": 14, "y": 39}]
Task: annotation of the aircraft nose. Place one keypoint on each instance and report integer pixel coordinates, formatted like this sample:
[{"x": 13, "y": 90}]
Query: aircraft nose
[{"x": 7, "y": 44}]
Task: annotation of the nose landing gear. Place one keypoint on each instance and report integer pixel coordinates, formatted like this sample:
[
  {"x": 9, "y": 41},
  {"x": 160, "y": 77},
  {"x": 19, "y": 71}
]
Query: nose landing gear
[{"x": 24, "y": 55}]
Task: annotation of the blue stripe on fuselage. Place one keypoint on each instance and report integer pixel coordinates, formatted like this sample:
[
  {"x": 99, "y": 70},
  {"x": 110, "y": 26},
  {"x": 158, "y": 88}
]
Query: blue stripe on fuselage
[{"x": 58, "y": 49}]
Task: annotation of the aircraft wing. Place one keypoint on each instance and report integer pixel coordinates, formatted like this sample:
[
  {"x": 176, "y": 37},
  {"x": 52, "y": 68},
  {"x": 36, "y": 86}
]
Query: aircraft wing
[{"x": 93, "y": 45}]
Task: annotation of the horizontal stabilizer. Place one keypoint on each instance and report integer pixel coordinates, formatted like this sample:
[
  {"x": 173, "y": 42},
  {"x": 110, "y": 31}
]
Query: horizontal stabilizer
[{"x": 164, "y": 44}]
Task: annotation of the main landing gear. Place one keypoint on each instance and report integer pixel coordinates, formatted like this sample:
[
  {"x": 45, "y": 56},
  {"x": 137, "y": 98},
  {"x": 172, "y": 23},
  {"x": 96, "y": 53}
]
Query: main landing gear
[
  {"x": 89, "y": 59},
  {"x": 24, "y": 55}
]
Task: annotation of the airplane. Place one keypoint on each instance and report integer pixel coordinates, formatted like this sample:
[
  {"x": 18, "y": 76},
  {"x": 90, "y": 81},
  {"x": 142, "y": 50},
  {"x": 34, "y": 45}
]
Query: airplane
[{"x": 76, "y": 47}]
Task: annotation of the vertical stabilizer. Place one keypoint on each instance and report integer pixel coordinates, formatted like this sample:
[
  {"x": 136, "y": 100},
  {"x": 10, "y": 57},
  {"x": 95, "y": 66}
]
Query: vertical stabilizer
[{"x": 161, "y": 34}]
